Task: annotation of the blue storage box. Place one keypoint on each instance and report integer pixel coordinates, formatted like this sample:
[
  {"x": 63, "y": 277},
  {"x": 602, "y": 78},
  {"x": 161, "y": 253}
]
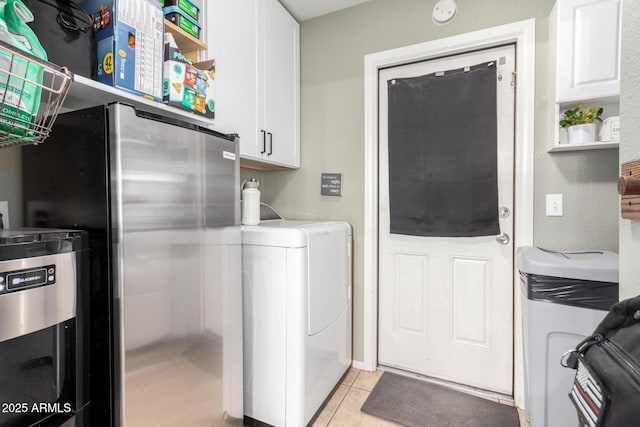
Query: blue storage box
[{"x": 130, "y": 38}]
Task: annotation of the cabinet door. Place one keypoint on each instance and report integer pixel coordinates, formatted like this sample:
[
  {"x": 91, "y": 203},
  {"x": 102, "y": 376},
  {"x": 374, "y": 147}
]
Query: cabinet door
[
  {"x": 588, "y": 49},
  {"x": 256, "y": 47},
  {"x": 232, "y": 37},
  {"x": 281, "y": 85}
]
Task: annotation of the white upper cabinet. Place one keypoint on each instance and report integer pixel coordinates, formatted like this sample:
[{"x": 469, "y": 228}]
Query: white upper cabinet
[
  {"x": 231, "y": 37},
  {"x": 587, "y": 48},
  {"x": 281, "y": 95},
  {"x": 256, "y": 45}
]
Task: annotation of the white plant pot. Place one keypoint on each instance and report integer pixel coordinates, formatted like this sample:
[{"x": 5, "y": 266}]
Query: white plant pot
[{"x": 580, "y": 134}]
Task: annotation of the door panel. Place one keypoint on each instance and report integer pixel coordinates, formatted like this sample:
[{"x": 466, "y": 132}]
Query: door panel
[
  {"x": 471, "y": 284},
  {"x": 410, "y": 291},
  {"x": 446, "y": 303}
]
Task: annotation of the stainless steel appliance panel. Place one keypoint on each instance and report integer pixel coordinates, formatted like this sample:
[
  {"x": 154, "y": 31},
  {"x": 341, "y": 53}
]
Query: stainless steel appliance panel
[
  {"x": 43, "y": 285},
  {"x": 170, "y": 184},
  {"x": 29, "y": 310},
  {"x": 221, "y": 179}
]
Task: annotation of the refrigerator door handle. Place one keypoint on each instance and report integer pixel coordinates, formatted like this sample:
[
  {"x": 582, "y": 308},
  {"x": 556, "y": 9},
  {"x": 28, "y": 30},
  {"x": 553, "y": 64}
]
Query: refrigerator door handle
[{"x": 264, "y": 141}]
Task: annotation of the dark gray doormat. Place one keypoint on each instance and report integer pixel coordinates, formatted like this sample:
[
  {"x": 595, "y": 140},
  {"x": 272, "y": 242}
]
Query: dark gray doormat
[{"x": 417, "y": 403}]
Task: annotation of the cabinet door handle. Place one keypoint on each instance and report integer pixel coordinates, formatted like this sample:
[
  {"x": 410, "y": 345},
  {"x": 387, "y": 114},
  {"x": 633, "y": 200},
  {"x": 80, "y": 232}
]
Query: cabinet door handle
[
  {"x": 264, "y": 141},
  {"x": 270, "y": 144}
]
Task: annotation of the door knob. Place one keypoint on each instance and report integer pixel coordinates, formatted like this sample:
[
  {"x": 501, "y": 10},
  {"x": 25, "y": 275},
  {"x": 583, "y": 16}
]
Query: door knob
[
  {"x": 504, "y": 212},
  {"x": 503, "y": 238}
]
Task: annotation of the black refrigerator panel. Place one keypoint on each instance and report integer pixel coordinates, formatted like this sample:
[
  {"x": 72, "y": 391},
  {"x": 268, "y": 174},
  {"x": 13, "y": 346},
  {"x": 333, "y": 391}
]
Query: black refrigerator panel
[{"x": 65, "y": 184}]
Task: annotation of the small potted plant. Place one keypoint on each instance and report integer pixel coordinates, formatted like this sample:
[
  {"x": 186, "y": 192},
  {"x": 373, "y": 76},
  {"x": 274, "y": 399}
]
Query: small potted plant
[{"x": 579, "y": 123}]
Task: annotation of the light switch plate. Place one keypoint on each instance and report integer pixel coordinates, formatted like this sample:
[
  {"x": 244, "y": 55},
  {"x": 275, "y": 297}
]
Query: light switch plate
[{"x": 554, "y": 204}]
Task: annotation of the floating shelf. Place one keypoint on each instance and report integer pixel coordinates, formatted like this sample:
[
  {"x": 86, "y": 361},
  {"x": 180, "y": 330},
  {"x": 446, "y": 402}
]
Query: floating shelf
[
  {"x": 586, "y": 146},
  {"x": 189, "y": 45},
  {"x": 611, "y": 108},
  {"x": 85, "y": 93}
]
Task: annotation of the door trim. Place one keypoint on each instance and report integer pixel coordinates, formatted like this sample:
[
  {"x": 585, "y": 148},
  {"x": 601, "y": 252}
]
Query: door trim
[{"x": 521, "y": 33}]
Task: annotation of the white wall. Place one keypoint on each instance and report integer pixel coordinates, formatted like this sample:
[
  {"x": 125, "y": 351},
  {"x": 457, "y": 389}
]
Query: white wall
[{"x": 630, "y": 142}]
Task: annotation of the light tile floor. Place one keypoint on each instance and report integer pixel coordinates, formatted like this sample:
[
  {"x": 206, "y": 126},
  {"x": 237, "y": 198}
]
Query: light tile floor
[{"x": 343, "y": 408}]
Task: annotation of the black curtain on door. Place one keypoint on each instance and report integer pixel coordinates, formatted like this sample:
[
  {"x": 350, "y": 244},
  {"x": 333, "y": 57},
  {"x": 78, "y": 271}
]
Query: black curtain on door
[{"x": 443, "y": 172}]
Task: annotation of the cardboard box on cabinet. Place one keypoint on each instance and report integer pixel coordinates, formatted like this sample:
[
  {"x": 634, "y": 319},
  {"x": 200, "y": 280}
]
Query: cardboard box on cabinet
[
  {"x": 129, "y": 36},
  {"x": 187, "y": 85},
  {"x": 209, "y": 69}
]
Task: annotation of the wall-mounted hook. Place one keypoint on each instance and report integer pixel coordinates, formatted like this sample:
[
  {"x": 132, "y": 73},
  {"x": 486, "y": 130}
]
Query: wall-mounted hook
[{"x": 628, "y": 186}]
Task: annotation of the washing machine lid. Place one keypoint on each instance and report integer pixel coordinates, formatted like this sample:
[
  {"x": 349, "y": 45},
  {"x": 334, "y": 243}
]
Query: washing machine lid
[
  {"x": 328, "y": 261},
  {"x": 287, "y": 233},
  {"x": 594, "y": 265}
]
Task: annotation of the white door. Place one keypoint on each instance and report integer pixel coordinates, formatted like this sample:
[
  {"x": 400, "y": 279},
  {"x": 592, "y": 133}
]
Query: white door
[{"x": 446, "y": 303}]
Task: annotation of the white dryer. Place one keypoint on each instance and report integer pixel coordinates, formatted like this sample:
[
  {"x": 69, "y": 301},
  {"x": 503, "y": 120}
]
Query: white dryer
[{"x": 297, "y": 317}]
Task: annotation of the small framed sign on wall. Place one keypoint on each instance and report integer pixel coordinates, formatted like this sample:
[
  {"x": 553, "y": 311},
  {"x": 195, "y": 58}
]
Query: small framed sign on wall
[{"x": 331, "y": 184}]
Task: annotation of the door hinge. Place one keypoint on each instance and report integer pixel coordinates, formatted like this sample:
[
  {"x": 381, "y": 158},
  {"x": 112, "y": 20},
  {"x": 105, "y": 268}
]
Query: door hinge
[{"x": 514, "y": 77}]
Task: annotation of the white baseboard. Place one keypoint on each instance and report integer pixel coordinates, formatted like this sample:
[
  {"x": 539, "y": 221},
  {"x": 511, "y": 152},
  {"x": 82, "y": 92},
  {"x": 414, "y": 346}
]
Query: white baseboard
[{"x": 359, "y": 365}]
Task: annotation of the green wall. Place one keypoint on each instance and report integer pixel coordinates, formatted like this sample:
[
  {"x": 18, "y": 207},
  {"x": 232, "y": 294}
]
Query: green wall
[{"x": 332, "y": 126}]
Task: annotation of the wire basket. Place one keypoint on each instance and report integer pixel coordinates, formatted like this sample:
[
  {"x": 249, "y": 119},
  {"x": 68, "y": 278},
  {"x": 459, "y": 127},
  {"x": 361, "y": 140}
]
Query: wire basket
[{"x": 31, "y": 94}]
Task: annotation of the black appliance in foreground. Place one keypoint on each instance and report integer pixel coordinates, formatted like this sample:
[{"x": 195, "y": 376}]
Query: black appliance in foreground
[
  {"x": 160, "y": 200},
  {"x": 43, "y": 310}
]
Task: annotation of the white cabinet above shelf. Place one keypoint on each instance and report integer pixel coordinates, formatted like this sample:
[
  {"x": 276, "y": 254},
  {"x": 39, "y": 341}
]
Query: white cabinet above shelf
[{"x": 584, "y": 38}]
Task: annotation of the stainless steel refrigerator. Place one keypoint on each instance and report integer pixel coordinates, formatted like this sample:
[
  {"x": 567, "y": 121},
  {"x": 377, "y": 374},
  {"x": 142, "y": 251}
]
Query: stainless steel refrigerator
[{"x": 159, "y": 198}]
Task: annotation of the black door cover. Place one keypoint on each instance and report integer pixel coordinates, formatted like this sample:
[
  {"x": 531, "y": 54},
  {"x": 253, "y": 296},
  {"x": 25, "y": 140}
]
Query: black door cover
[{"x": 443, "y": 173}]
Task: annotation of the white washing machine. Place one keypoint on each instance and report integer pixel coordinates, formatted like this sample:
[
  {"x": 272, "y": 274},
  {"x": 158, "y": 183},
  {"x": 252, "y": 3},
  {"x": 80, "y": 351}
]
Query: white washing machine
[{"x": 297, "y": 317}]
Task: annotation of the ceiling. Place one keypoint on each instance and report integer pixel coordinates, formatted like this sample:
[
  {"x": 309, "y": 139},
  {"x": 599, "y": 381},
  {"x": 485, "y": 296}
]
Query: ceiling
[{"x": 307, "y": 9}]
